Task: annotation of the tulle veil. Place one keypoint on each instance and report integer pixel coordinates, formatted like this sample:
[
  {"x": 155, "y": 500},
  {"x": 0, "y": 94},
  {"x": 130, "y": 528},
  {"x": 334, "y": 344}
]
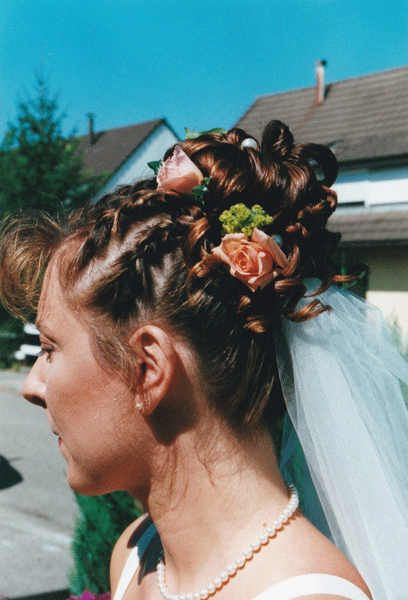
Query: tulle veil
[{"x": 345, "y": 444}]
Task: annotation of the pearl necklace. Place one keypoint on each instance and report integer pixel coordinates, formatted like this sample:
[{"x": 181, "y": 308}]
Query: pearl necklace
[{"x": 239, "y": 563}]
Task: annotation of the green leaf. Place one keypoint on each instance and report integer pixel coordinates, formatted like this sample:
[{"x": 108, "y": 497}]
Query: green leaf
[
  {"x": 191, "y": 134},
  {"x": 200, "y": 190},
  {"x": 155, "y": 165}
]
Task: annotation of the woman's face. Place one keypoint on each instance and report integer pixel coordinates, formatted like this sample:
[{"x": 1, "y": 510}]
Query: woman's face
[{"x": 99, "y": 429}]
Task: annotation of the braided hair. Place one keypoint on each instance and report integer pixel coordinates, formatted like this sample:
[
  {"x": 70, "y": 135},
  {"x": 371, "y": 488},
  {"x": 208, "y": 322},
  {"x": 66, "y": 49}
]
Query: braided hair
[{"x": 140, "y": 255}]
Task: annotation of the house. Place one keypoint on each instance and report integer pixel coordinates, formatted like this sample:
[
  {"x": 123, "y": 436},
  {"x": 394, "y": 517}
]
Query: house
[
  {"x": 364, "y": 121},
  {"x": 124, "y": 152}
]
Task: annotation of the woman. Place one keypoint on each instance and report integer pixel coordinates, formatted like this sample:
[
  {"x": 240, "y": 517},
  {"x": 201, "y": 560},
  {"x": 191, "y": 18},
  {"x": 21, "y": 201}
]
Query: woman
[{"x": 165, "y": 311}]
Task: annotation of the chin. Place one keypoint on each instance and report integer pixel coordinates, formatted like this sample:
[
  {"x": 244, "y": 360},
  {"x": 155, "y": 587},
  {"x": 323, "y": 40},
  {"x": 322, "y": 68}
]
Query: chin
[{"x": 86, "y": 485}]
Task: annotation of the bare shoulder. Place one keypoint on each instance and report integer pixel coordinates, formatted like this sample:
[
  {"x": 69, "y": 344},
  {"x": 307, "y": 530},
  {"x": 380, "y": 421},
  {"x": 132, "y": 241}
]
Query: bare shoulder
[
  {"x": 319, "y": 555},
  {"x": 124, "y": 546}
]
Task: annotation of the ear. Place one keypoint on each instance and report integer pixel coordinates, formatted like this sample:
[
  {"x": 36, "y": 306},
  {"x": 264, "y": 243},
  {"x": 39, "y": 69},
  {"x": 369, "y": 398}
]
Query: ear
[{"x": 157, "y": 356}]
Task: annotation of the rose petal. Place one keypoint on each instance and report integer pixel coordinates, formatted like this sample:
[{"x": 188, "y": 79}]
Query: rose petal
[
  {"x": 255, "y": 262},
  {"x": 179, "y": 173},
  {"x": 271, "y": 246}
]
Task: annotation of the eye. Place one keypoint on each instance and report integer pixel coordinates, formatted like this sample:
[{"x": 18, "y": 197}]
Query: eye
[{"x": 45, "y": 350}]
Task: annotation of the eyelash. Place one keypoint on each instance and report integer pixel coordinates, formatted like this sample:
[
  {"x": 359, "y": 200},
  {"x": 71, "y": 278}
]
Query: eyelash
[{"x": 46, "y": 351}]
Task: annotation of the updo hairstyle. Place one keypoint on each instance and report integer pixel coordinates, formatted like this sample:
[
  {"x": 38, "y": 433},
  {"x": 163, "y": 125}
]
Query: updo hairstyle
[{"x": 141, "y": 256}]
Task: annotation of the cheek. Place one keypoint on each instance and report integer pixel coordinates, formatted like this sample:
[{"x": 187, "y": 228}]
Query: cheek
[{"x": 76, "y": 393}]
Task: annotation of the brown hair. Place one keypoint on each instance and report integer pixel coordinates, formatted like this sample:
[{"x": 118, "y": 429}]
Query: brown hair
[{"x": 151, "y": 260}]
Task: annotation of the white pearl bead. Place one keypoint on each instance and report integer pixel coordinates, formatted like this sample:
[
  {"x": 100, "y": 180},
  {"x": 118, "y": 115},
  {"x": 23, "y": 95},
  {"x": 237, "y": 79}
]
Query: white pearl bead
[
  {"x": 248, "y": 553},
  {"x": 249, "y": 143}
]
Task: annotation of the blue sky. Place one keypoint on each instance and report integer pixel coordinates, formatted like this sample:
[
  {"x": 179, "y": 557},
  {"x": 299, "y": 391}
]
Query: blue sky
[{"x": 200, "y": 64}]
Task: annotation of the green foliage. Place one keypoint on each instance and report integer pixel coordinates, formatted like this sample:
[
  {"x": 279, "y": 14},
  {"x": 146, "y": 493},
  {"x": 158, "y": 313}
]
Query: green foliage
[
  {"x": 200, "y": 190},
  {"x": 192, "y": 135},
  {"x": 155, "y": 165},
  {"x": 11, "y": 335},
  {"x": 102, "y": 519},
  {"x": 240, "y": 219},
  {"x": 39, "y": 167}
]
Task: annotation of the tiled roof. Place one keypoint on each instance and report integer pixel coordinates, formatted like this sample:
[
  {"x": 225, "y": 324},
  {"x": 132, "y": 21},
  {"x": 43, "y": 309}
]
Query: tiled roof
[
  {"x": 370, "y": 227},
  {"x": 112, "y": 147},
  {"x": 360, "y": 118}
]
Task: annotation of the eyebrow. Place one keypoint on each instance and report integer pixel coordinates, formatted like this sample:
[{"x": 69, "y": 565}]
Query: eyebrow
[{"x": 42, "y": 328}]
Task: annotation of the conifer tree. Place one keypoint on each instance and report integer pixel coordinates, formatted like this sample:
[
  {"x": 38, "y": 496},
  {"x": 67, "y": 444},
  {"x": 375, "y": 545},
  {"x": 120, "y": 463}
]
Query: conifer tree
[{"x": 40, "y": 168}]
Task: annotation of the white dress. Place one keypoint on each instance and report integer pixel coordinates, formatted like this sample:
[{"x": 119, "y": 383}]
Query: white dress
[{"x": 289, "y": 589}]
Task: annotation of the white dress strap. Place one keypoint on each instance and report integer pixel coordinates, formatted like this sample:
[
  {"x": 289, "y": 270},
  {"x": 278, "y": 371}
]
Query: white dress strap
[
  {"x": 133, "y": 562},
  {"x": 304, "y": 585}
]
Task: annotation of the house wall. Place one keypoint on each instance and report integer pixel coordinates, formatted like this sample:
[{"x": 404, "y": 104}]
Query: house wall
[
  {"x": 387, "y": 281},
  {"x": 373, "y": 186},
  {"x": 136, "y": 167}
]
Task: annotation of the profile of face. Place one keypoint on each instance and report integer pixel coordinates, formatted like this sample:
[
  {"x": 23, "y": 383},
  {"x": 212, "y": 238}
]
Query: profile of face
[{"x": 100, "y": 431}]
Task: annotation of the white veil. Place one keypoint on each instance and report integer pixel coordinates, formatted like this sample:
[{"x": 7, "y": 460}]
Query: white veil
[{"x": 340, "y": 374}]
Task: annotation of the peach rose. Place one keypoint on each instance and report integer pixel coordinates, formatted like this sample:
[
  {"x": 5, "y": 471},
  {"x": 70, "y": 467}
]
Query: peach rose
[
  {"x": 256, "y": 262},
  {"x": 178, "y": 173}
]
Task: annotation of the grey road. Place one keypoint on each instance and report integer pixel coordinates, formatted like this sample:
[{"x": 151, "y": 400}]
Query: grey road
[{"x": 37, "y": 507}]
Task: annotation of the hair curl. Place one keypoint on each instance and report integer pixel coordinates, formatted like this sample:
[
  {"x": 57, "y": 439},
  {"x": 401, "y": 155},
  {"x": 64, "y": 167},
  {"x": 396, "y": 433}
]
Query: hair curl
[{"x": 138, "y": 255}]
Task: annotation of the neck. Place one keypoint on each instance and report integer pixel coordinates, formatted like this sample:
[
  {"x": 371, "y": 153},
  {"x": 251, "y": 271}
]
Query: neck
[{"x": 218, "y": 501}]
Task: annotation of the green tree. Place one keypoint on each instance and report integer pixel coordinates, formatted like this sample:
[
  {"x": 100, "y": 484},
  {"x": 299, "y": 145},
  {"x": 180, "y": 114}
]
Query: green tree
[{"x": 39, "y": 167}]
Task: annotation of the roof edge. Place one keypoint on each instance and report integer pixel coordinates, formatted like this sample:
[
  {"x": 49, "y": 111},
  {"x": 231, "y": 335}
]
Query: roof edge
[{"x": 312, "y": 87}]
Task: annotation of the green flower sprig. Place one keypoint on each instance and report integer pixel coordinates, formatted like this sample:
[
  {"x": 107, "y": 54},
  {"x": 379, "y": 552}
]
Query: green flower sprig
[{"x": 241, "y": 219}]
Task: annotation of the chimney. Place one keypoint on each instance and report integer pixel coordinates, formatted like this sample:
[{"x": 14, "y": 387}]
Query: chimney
[
  {"x": 91, "y": 117},
  {"x": 319, "y": 70}
]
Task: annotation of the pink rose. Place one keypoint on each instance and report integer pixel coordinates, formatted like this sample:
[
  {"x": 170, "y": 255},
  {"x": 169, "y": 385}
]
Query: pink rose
[
  {"x": 256, "y": 262},
  {"x": 178, "y": 173}
]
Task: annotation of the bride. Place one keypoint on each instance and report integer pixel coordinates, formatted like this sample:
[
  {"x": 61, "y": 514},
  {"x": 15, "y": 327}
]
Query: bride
[{"x": 179, "y": 318}]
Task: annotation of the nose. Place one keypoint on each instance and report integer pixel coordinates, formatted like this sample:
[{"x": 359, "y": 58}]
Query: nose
[{"x": 34, "y": 385}]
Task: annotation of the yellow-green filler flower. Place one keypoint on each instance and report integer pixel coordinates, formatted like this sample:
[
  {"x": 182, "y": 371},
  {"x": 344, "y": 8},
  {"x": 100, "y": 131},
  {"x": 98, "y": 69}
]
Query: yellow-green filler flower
[{"x": 241, "y": 219}]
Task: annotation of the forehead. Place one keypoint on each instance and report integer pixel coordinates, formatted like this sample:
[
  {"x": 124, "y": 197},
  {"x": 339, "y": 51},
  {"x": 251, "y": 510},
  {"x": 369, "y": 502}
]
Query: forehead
[{"x": 53, "y": 311}]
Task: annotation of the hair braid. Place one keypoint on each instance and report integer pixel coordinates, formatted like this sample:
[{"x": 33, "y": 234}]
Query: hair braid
[{"x": 137, "y": 255}]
